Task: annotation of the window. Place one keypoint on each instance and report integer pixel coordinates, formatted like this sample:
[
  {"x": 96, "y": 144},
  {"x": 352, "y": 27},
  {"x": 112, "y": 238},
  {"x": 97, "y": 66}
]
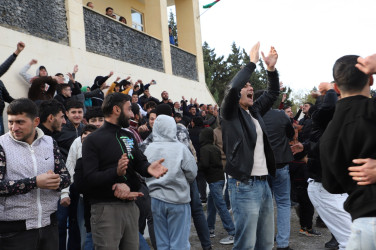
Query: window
[{"x": 137, "y": 20}]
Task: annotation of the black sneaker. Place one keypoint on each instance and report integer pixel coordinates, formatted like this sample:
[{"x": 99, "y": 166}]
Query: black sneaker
[
  {"x": 284, "y": 248},
  {"x": 333, "y": 243}
]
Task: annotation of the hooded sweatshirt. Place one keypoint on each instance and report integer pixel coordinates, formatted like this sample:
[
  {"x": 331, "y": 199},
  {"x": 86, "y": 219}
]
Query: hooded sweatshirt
[
  {"x": 210, "y": 162},
  {"x": 173, "y": 187}
]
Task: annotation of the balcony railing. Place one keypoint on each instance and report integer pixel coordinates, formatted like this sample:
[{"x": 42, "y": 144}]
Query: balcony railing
[
  {"x": 44, "y": 19},
  {"x": 183, "y": 63},
  {"x": 111, "y": 38}
]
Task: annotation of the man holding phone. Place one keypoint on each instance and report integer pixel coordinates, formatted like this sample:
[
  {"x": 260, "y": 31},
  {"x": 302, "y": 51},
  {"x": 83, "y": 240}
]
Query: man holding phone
[{"x": 111, "y": 158}]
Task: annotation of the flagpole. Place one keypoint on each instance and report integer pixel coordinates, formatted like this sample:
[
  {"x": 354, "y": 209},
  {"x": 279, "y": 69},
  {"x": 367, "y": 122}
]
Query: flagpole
[
  {"x": 207, "y": 9},
  {"x": 203, "y": 13}
]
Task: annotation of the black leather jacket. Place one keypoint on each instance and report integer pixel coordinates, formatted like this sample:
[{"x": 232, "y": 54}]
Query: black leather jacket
[
  {"x": 280, "y": 132},
  {"x": 239, "y": 132}
]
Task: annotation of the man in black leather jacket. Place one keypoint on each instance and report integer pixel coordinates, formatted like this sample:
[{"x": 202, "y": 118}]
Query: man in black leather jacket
[{"x": 249, "y": 155}]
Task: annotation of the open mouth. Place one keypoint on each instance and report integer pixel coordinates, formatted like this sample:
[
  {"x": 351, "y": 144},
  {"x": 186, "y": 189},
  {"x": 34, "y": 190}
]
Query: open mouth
[{"x": 250, "y": 96}]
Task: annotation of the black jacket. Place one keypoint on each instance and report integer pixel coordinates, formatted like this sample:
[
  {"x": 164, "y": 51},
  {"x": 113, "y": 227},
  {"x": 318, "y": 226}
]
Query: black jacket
[
  {"x": 280, "y": 132},
  {"x": 239, "y": 132},
  {"x": 306, "y": 122},
  {"x": 7, "y": 63},
  {"x": 194, "y": 135},
  {"x": 66, "y": 137},
  {"x": 350, "y": 135},
  {"x": 210, "y": 162},
  {"x": 321, "y": 117},
  {"x": 4, "y": 97},
  {"x": 97, "y": 100},
  {"x": 101, "y": 151}
]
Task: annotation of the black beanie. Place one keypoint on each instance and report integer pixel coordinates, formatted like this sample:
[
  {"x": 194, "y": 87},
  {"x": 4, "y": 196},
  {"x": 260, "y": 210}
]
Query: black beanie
[{"x": 164, "y": 109}]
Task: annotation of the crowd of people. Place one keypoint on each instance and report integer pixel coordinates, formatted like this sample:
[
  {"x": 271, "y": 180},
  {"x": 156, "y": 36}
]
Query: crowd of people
[{"x": 88, "y": 167}]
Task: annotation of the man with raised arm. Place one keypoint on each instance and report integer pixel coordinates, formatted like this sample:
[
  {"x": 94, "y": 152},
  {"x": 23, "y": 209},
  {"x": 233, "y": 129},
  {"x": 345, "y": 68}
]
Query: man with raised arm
[{"x": 249, "y": 155}]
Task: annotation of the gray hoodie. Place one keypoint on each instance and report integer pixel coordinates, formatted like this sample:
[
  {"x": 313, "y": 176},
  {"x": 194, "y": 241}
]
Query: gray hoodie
[{"x": 182, "y": 169}]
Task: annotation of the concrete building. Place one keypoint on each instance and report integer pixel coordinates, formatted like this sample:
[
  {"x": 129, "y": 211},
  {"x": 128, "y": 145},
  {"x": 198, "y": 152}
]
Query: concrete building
[{"x": 62, "y": 33}]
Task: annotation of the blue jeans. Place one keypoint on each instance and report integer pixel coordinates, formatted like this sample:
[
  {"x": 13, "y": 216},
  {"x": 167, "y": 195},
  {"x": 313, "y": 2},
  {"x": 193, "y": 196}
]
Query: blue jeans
[
  {"x": 252, "y": 207},
  {"x": 143, "y": 244},
  {"x": 281, "y": 188},
  {"x": 198, "y": 217},
  {"x": 89, "y": 245},
  {"x": 172, "y": 224},
  {"x": 217, "y": 203},
  {"x": 363, "y": 234},
  {"x": 67, "y": 216}
]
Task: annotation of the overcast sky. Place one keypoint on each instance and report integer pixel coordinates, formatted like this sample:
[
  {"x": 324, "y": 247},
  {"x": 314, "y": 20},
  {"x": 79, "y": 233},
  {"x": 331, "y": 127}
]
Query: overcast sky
[{"x": 308, "y": 35}]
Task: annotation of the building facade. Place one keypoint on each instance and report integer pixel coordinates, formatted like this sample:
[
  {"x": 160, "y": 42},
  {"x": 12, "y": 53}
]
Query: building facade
[{"x": 62, "y": 33}]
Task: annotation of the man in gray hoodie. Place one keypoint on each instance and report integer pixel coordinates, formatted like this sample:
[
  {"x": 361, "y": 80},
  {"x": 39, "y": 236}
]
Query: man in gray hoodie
[{"x": 171, "y": 194}]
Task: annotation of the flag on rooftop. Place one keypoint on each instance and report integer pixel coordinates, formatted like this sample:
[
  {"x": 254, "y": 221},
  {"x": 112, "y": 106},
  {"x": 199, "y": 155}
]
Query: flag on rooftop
[{"x": 207, "y": 6}]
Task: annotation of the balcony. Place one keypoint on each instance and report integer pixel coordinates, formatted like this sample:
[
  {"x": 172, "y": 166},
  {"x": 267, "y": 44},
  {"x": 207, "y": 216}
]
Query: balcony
[{"x": 111, "y": 38}]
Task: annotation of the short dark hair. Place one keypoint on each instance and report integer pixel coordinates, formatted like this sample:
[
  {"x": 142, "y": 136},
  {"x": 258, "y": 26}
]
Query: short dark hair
[
  {"x": 114, "y": 99},
  {"x": 164, "y": 109},
  {"x": 286, "y": 107},
  {"x": 134, "y": 93},
  {"x": 62, "y": 86},
  {"x": 198, "y": 121},
  {"x": 23, "y": 105},
  {"x": 49, "y": 107},
  {"x": 122, "y": 18},
  {"x": 109, "y": 8},
  {"x": 74, "y": 105},
  {"x": 150, "y": 104},
  {"x": 135, "y": 109},
  {"x": 59, "y": 74},
  {"x": 347, "y": 77},
  {"x": 88, "y": 128},
  {"x": 309, "y": 103},
  {"x": 93, "y": 112},
  {"x": 88, "y": 3},
  {"x": 153, "y": 111}
]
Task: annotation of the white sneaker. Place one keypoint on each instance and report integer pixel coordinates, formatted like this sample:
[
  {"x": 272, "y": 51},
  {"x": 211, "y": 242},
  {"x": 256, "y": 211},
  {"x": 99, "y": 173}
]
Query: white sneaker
[
  {"x": 227, "y": 240},
  {"x": 211, "y": 232}
]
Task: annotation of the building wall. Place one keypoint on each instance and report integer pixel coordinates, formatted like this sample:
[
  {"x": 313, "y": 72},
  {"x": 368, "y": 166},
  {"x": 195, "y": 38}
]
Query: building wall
[
  {"x": 61, "y": 44},
  {"x": 113, "y": 39},
  {"x": 16, "y": 15},
  {"x": 121, "y": 8},
  {"x": 61, "y": 58}
]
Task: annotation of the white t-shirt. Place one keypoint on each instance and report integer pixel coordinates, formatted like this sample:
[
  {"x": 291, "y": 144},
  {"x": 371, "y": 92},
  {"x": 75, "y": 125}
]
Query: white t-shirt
[{"x": 259, "y": 159}]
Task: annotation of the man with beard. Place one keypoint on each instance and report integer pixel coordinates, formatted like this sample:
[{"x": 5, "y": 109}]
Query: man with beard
[
  {"x": 111, "y": 158},
  {"x": 165, "y": 99}
]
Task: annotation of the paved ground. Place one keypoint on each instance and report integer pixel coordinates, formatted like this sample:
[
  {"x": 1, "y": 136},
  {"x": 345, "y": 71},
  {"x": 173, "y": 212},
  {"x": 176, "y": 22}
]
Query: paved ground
[{"x": 297, "y": 241}]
